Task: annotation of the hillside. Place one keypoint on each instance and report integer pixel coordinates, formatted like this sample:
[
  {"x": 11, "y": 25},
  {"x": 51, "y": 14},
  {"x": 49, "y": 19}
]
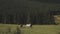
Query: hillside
[{"x": 13, "y": 6}]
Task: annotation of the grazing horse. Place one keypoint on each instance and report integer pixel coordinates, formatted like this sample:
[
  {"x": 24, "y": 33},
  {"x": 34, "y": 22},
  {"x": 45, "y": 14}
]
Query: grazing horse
[{"x": 29, "y": 25}]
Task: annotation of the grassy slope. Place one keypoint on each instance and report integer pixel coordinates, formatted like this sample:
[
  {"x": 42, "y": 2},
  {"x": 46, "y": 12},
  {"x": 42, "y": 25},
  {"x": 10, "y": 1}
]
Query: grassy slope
[{"x": 36, "y": 29}]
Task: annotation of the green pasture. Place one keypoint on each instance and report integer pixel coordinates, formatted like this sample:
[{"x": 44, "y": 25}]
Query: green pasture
[{"x": 36, "y": 29}]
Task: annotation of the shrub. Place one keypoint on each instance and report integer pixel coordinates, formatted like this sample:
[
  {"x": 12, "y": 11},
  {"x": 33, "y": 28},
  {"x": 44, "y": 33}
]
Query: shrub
[{"x": 18, "y": 31}]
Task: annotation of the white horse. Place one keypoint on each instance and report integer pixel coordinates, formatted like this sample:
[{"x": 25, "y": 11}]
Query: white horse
[{"x": 28, "y": 25}]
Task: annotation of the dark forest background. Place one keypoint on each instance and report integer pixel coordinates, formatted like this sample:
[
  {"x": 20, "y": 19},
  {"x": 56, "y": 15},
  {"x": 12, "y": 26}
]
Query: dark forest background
[{"x": 28, "y": 11}]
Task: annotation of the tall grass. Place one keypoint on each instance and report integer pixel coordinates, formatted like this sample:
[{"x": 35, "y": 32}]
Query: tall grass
[{"x": 8, "y": 31}]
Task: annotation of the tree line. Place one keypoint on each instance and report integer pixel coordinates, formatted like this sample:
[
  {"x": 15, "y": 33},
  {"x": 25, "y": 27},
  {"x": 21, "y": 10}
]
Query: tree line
[{"x": 27, "y": 15}]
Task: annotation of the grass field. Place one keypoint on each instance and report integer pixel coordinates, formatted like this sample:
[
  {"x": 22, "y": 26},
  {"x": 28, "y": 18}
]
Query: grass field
[{"x": 36, "y": 29}]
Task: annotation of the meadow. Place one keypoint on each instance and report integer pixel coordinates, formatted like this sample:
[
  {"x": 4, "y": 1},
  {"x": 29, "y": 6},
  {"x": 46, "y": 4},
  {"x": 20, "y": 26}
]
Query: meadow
[{"x": 36, "y": 29}]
